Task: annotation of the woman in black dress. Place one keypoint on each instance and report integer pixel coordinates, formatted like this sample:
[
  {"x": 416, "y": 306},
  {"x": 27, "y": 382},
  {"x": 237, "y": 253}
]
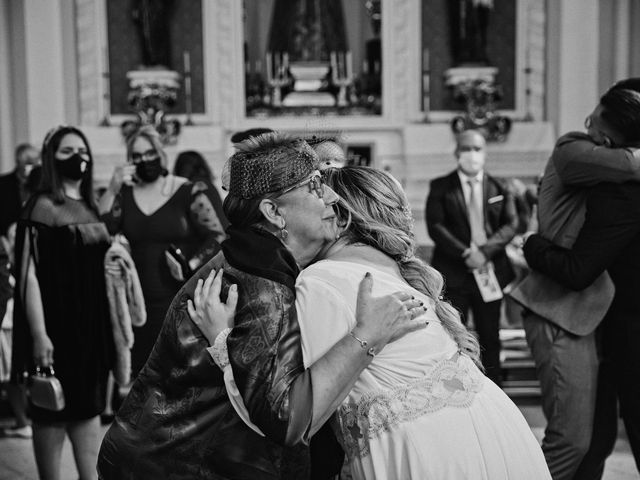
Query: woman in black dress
[
  {"x": 158, "y": 212},
  {"x": 61, "y": 309}
]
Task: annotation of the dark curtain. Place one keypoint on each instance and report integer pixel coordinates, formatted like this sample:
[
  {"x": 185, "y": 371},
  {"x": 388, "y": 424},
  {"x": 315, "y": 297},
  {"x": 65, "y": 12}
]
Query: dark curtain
[{"x": 308, "y": 29}]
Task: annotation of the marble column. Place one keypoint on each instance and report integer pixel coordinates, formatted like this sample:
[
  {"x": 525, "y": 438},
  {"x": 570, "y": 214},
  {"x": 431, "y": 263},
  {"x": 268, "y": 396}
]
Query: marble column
[{"x": 573, "y": 43}]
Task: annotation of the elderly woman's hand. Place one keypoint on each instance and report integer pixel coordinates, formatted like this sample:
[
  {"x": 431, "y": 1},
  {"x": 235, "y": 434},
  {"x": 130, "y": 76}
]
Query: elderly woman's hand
[
  {"x": 380, "y": 320},
  {"x": 207, "y": 311}
]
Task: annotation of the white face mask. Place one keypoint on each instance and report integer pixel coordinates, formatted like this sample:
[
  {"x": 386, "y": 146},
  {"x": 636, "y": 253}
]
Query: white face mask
[{"x": 471, "y": 162}]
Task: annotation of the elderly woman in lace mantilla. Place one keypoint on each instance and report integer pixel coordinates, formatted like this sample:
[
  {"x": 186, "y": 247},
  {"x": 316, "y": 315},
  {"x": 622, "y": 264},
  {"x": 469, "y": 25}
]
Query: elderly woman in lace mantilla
[{"x": 422, "y": 408}]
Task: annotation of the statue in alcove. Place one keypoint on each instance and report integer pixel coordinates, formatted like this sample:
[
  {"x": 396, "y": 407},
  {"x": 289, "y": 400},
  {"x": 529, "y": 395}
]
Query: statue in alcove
[
  {"x": 152, "y": 18},
  {"x": 308, "y": 30},
  {"x": 305, "y": 36},
  {"x": 469, "y": 24}
]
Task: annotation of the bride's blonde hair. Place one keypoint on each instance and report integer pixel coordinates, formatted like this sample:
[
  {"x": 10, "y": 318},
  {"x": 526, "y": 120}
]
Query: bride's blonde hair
[{"x": 374, "y": 211}]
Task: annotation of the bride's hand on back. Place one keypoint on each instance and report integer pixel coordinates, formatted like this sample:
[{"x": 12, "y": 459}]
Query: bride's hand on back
[
  {"x": 210, "y": 314},
  {"x": 380, "y": 320}
]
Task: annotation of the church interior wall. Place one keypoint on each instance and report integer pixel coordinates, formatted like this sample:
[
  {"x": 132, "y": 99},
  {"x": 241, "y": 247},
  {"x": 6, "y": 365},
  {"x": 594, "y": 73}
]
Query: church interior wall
[{"x": 60, "y": 70}]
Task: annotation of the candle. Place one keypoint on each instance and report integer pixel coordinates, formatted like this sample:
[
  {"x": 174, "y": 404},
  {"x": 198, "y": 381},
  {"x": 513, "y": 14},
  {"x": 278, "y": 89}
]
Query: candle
[
  {"x": 268, "y": 65},
  {"x": 186, "y": 57},
  {"x": 365, "y": 67},
  {"x": 349, "y": 65},
  {"x": 334, "y": 66},
  {"x": 286, "y": 61}
]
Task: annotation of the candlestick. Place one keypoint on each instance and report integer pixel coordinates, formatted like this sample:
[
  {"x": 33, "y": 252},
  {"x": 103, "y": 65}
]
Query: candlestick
[
  {"x": 186, "y": 60},
  {"x": 106, "y": 93},
  {"x": 334, "y": 66},
  {"x": 349, "y": 65}
]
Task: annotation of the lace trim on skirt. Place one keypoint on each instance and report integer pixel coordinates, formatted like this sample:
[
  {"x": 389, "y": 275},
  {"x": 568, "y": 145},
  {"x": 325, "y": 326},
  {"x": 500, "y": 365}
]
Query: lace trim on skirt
[{"x": 452, "y": 383}]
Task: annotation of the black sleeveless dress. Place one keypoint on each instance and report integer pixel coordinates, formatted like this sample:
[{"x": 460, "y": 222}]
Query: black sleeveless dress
[
  {"x": 181, "y": 221},
  {"x": 67, "y": 244}
]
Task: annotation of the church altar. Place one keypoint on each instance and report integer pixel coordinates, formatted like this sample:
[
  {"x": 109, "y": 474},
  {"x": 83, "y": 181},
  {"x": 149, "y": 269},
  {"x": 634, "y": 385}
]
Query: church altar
[{"x": 405, "y": 137}]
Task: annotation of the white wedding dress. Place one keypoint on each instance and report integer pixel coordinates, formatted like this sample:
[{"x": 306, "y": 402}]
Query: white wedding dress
[{"x": 421, "y": 410}]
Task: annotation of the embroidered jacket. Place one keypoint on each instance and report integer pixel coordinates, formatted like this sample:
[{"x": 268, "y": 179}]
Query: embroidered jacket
[{"x": 177, "y": 421}]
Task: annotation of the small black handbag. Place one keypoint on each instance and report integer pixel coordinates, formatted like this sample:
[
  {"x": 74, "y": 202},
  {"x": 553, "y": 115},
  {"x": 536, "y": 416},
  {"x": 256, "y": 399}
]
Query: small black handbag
[
  {"x": 177, "y": 263},
  {"x": 46, "y": 390}
]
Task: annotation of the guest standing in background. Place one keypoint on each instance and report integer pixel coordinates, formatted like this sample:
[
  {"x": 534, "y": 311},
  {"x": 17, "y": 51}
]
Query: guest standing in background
[
  {"x": 13, "y": 185},
  {"x": 15, "y": 188},
  {"x": 170, "y": 224},
  {"x": 329, "y": 151},
  {"x": 61, "y": 315},
  {"x": 471, "y": 218},
  {"x": 193, "y": 166}
]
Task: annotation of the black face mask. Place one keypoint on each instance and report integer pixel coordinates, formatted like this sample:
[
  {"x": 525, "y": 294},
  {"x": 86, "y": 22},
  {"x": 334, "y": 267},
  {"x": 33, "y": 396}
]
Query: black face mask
[
  {"x": 150, "y": 170},
  {"x": 74, "y": 168}
]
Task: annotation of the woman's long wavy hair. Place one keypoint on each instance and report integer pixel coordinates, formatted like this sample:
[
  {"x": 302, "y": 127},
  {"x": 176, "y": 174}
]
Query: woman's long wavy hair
[{"x": 375, "y": 212}]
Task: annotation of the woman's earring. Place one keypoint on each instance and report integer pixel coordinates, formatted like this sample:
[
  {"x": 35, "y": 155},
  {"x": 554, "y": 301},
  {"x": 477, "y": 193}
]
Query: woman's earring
[{"x": 283, "y": 232}]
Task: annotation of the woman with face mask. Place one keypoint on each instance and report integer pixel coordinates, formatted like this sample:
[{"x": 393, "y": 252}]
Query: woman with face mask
[
  {"x": 61, "y": 313},
  {"x": 170, "y": 224}
]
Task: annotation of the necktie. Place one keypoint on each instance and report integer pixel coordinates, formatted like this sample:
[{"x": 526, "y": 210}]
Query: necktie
[{"x": 476, "y": 220}]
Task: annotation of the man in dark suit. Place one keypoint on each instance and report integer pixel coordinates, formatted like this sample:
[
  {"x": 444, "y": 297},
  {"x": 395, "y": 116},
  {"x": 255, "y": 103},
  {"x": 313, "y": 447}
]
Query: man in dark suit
[
  {"x": 12, "y": 185},
  {"x": 561, "y": 323},
  {"x": 609, "y": 240},
  {"x": 471, "y": 217}
]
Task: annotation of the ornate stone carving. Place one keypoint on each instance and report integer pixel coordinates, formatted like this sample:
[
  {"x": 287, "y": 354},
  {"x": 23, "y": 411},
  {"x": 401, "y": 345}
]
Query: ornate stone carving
[
  {"x": 89, "y": 60},
  {"x": 399, "y": 61},
  {"x": 475, "y": 87},
  {"x": 151, "y": 94},
  {"x": 227, "y": 84}
]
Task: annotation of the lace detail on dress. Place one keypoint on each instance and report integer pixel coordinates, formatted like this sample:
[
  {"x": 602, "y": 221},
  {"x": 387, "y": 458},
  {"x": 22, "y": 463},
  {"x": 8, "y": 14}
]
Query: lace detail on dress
[
  {"x": 219, "y": 351},
  {"x": 452, "y": 383}
]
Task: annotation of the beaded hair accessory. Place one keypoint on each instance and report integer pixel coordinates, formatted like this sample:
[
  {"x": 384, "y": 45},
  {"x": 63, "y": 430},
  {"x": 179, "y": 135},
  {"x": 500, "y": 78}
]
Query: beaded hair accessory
[{"x": 268, "y": 168}]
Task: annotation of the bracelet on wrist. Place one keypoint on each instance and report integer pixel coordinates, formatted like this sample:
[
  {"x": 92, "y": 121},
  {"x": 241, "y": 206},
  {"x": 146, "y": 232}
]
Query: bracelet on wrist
[{"x": 371, "y": 351}]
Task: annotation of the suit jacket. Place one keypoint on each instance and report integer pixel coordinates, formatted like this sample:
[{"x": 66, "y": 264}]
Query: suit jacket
[
  {"x": 10, "y": 201},
  {"x": 448, "y": 224},
  {"x": 609, "y": 240},
  {"x": 576, "y": 163}
]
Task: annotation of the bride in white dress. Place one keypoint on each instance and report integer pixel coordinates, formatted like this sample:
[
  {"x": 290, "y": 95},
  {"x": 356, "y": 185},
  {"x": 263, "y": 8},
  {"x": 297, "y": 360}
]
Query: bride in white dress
[{"x": 422, "y": 409}]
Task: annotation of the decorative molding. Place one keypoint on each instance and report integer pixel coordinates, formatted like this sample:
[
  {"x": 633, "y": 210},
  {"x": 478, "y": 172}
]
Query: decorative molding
[
  {"x": 89, "y": 61},
  {"x": 398, "y": 12},
  {"x": 228, "y": 51},
  {"x": 536, "y": 44}
]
